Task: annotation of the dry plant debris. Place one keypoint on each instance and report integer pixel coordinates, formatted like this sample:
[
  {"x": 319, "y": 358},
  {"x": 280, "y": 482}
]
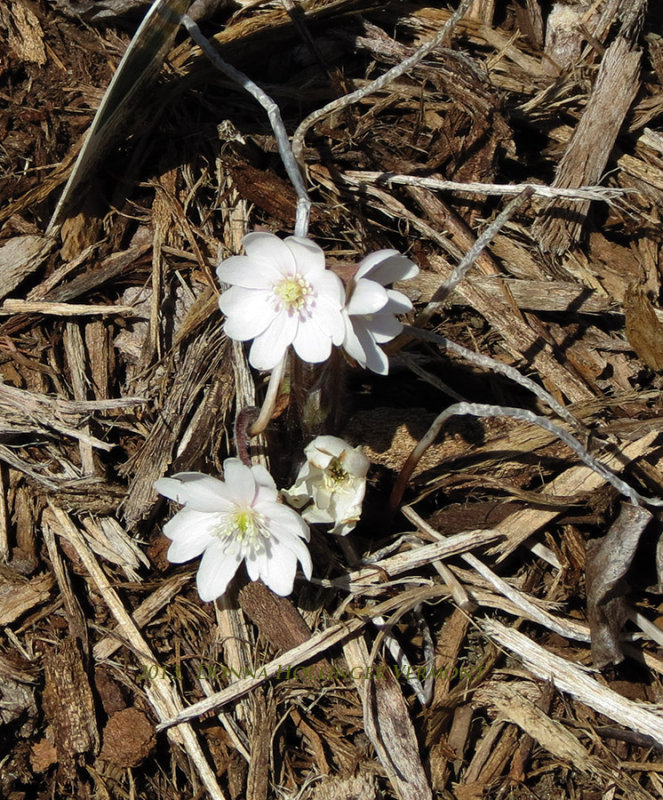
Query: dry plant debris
[{"x": 523, "y": 593}]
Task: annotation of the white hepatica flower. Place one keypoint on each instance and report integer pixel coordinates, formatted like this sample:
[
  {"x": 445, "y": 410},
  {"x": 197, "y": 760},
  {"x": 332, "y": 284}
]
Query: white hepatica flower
[
  {"x": 281, "y": 295},
  {"x": 233, "y": 520},
  {"x": 334, "y": 477},
  {"x": 370, "y": 310}
]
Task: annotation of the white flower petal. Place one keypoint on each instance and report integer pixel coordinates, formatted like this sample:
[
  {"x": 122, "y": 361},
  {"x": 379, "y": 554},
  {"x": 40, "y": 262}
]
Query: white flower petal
[
  {"x": 191, "y": 532},
  {"x": 263, "y": 479},
  {"x": 309, "y": 256},
  {"x": 329, "y": 286},
  {"x": 217, "y": 568},
  {"x": 269, "y": 347},
  {"x": 240, "y": 481},
  {"x": 268, "y": 250},
  {"x": 247, "y": 272},
  {"x": 375, "y": 358},
  {"x": 317, "y": 516},
  {"x": 196, "y": 490},
  {"x": 398, "y": 303},
  {"x": 248, "y": 312},
  {"x": 329, "y": 445},
  {"x": 301, "y": 551},
  {"x": 279, "y": 572},
  {"x": 368, "y": 297},
  {"x": 285, "y": 522},
  {"x": 384, "y": 328},
  {"x": 256, "y": 565},
  {"x": 372, "y": 260},
  {"x": 390, "y": 268},
  {"x": 311, "y": 343},
  {"x": 351, "y": 343},
  {"x": 355, "y": 462}
]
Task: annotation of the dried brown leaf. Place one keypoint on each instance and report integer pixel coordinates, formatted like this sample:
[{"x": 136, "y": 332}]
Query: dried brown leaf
[{"x": 608, "y": 561}]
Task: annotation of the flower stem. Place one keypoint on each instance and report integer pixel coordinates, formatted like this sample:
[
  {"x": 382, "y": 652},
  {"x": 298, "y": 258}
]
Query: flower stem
[
  {"x": 483, "y": 410},
  {"x": 269, "y": 402},
  {"x": 275, "y": 119}
]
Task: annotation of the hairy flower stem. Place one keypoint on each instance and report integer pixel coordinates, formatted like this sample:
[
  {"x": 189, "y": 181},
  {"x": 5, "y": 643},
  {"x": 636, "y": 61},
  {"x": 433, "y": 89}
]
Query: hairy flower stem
[
  {"x": 269, "y": 403},
  {"x": 244, "y": 418},
  {"x": 275, "y": 119}
]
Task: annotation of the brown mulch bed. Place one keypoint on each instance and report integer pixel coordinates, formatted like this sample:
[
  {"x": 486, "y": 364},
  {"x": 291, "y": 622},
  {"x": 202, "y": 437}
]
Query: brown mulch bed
[{"x": 115, "y": 372}]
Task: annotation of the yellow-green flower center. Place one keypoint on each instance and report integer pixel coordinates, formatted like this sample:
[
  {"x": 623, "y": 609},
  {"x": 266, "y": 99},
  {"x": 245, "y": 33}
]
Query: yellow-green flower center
[
  {"x": 243, "y": 528},
  {"x": 293, "y": 292},
  {"x": 335, "y": 475}
]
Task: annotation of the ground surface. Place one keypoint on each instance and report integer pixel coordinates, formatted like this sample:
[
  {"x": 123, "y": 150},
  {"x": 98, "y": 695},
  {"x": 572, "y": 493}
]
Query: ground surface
[{"x": 115, "y": 372}]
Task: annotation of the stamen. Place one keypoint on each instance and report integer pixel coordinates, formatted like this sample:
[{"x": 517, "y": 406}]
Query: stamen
[{"x": 293, "y": 292}]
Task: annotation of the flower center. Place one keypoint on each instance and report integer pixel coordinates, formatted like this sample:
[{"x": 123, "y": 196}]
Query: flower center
[
  {"x": 245, "y": 529},
  {"x": 335, "y": 475},
  {"x": 293, "y": 292}
]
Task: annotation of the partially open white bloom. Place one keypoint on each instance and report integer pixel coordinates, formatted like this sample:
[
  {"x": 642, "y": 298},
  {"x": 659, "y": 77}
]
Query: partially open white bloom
[
  {"x": 233, "y": 520},
  {"x": 334, "y": 478},
  {"x": 371, "y": 309},
  {"x": 281, "y": 294}
]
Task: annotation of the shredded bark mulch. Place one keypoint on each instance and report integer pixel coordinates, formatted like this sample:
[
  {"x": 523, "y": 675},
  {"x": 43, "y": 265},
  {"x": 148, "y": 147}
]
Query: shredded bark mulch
[{"x": 522, "y": 588}]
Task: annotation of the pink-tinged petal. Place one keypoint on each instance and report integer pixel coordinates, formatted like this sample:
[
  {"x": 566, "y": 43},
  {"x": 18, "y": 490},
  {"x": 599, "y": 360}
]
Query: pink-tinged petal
[
  {"x": 398, "y": 303},
  {"x": 371, "y": 261},
  {"x": 279, "y": 572},
  {"x": 384, "y": 327},
  {"x": 327, "y": 284},
  {"x": 201, "y": 492},
  {"x": 217, "y": 569},
  {"x": 376, "y": 360},
  {"x": 191, "y": 532},
  {"x": 268, "y": 250},
  {"x": 247, "y": 272},
  {"x": 308, "y": 255},
  {"x": 390, "y": 267},
  {"x": 368, "y": 297},
  {"x": 269, "y": 347},
  {"x": 240, "y": 481},
  {"x": 328, "y": 317},
  {"x": 249, "y": 312},
  {"x": 311, "y": 343},
  {"x": 352, "y": 345}
]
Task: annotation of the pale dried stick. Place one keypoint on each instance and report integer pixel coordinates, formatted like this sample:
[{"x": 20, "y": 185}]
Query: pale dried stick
[
  {"x": 519, "y": 599},
  {"x": 492, "y": 365},
  {"x": 393, "y": 645},
  {"x": 160, "y": 691},
  {"x": 568, "y": 677},
  {"x": 483, "y": 410},
  {"x": 377, "y": 84},
  {"x": 581, "y": 193},
  {"x": 467, "y": 263}
]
